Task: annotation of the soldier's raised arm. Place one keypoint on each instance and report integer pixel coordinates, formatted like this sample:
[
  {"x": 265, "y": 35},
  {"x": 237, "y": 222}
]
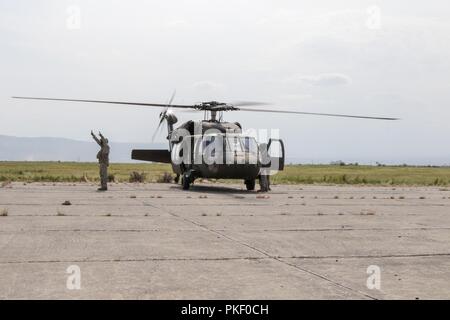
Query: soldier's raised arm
[{"x": 95, "y": 138}]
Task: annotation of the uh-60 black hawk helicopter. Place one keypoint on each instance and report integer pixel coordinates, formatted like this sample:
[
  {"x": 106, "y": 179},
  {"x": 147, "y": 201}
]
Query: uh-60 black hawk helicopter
[{"x": 213, "y": 148}]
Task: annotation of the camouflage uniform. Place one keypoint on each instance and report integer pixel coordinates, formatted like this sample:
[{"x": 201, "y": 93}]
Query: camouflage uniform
[
  {"x": 264, "y": 175},
  {"x": 103, "y": 160}
]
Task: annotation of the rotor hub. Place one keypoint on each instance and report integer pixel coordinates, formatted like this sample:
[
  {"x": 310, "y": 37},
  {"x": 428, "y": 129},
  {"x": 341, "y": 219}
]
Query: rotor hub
[{"x": 215, "y": 106}]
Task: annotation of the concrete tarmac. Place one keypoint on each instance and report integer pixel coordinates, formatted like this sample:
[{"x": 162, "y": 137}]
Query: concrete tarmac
[{"x": 218, "y": 241}]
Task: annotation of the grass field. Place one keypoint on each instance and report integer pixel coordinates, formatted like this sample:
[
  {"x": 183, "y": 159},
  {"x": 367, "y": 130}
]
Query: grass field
[{"x": 293, "y": 174}]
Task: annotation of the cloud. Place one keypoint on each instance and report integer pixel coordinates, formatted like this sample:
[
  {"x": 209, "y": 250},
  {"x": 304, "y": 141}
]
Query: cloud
[{"x": 322, "y": 80}]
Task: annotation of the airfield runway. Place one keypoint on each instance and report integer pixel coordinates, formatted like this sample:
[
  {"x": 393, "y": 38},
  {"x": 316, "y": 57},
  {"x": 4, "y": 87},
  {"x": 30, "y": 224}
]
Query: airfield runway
[{"x": 155, "y": 241}]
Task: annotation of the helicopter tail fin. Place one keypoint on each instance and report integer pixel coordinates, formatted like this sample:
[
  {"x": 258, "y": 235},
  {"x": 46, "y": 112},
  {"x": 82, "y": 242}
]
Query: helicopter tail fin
[{"x": 153, "y": 155}]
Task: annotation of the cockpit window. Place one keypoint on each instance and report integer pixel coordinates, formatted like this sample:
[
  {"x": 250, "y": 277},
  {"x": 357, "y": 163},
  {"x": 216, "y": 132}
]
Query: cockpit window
[
  {"x": 242, "y": 144},
  {"x": 211, "y": 144},
  {"x": 234, "y": 144},
  {"x": 249, "y": 144},
  {"x": 207, "y": 141}
]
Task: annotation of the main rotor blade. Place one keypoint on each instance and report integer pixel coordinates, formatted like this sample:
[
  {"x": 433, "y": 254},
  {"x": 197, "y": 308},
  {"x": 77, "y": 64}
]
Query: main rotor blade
[
  {"x": 318, "y": 114},
  {"x": 198, "y": 107},
  {"x": 248, "y": 103},
  {"x": 111, "y": 102}
]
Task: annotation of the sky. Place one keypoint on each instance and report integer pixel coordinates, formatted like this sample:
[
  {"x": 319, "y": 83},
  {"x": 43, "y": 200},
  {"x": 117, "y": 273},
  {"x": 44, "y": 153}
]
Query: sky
[{"x": 376, "y": 58}]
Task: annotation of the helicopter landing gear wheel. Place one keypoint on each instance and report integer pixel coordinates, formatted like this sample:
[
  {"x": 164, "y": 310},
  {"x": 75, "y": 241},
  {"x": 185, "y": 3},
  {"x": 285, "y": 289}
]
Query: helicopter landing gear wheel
[
  {"x": 186, "y": 180},
  {"x": 250, "y": 184},
  {"x": 264, "y": 183}
]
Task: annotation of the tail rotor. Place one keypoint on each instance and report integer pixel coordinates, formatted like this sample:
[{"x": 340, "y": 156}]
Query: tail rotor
[{"x": 167, "y": 114}]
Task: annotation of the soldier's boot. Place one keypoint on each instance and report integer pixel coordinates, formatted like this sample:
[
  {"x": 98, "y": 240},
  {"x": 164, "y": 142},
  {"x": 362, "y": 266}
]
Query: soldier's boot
[{"x": 104, "y": 186}]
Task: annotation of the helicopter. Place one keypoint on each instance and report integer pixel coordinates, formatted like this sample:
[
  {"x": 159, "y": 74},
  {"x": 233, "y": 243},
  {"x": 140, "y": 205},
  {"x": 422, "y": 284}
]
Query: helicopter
[{"x": 213, "y": 148}]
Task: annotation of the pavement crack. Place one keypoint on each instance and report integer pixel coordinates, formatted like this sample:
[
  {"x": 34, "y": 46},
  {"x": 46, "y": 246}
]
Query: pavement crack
[
  {"x": 132, "y": 260},
  {"x": 266, "y": 257},
  {"x": 374, "y": 256}
]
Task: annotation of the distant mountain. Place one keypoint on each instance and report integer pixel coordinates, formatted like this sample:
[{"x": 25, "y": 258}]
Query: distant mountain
[{"x": 60, "y": 149}]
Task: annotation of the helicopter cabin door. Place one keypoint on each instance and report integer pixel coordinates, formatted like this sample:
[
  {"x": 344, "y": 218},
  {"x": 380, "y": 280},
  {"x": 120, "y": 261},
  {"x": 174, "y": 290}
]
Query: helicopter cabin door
[{"x": 275, "y": 150}]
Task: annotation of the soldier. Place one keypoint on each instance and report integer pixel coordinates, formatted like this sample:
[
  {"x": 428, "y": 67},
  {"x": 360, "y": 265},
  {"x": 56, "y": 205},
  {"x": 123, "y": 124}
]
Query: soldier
[
  {"x": 103, "y": 160},
  {"x": 264, "y": 175}
]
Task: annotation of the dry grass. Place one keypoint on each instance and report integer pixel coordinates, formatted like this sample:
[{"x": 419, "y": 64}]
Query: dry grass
[
  {"x": 367, "y": 213},
  {"x": 166, "y": 177},
  {"x": 137, "y": 177},
  {"x": 5, "y": 184},
  {"x": 369, "y": 175},
  {"x": 293, "y": 174}
]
